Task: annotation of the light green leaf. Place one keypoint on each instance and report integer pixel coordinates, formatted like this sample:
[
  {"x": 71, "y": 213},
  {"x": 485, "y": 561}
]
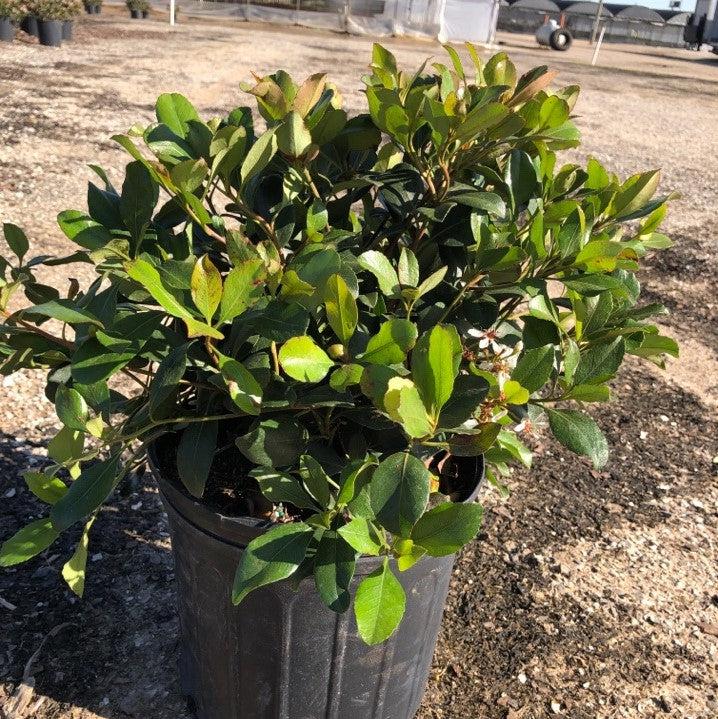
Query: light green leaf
[
  {"x": 293, "y": 137},
  {"x": 73, "y": 572},
  {"x": 345, "y": 376},
  {"x": 379, "y": 605},
  {"x": 342, "y": 312},
  {"x": 447, "y": 527},
  {"x": 390, "y": 345},
  {"x": 243, "y": 286},
  {"x": 175, "y": 111},
  {"x": 514, "y": 393},
  {"x": 432, "y": 281},
  {"x": 45, "y": 487},
  {"x": 206, "y": 287},
  {"x": 271, "y": 557},
  {"x": 83, "y": 230},
  {"x": 66, "y": 445},
  {"x": 243, "y": 388},
  {"x": 71, "y": 408},
  {"x": 143, "y": 272},
  {"x": 64, "y": 311},
  {"x": 360, "y": 534},
  {"x": 303, "y": 360},
  {"x": 379, "y": 265},
  {"x": 28, "y": 542},
  {"x": 408, "y": 268},
  {"x": 404, "y": 405},
  {"x": 399, "y": 492}
]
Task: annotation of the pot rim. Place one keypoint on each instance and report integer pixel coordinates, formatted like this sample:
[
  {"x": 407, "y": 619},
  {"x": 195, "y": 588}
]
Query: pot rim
[{"x": 237, "y": 530}]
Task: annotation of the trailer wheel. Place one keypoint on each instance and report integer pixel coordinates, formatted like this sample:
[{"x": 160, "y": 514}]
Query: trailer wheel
[{"x": 561, "y": 39}]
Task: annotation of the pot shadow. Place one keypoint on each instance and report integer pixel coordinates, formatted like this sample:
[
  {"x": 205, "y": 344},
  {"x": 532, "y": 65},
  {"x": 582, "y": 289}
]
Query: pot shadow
[{"x": 117, "y": 658}]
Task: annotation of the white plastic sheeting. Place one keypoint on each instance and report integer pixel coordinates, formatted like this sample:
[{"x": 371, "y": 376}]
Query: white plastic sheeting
[{"x": 447, "y": 20}]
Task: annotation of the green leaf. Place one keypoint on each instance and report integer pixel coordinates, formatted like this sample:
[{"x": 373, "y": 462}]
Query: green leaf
[
  {"x": 342, "y": 312},
  {"x": 243, "y": 286},
  {"x": 435, "y": 364},
  {"x": 64, "y": 311},
  {"x": 28, "y": 542},
  {"x": 579, "y": 433},
  {"x": 404, "y": 405},
  {"x": 345, "y": 376},
  {"x": 361, "y": 535},
  {"x": 143, "y": 272},
  {"x": 16, "y": 239},
  {"x": 45, "y": 487},
  {"x": 293, "y": 137},
  {"x": 476, "y": 443},
  {"x": 243, "y": 388},
  {"x": 588, "y": 393},
  {"x": 479, "y": 120},
  {"x": 432, "y": 281},
  {"x": 83, "y": 230},
  {"x": 654, "y": 345},
  {"x": 87, "y": 492},
  {"x": 139, "y": 196},
  {"x": 379, "y": 265},
  {"x": 66, "y": 445},
  {"x": 303, "y": 360},
  {"x": 408, "y": 268},
  {"x": 534, "y": 367},
  {"x": 195, "y": 453},
  {"x": 600, "y": 362},
  {"x": 447, "y": 527},
  {"x": 93, "y": 363},
  {"x": 273, "y": 443},
  {"x": 165, "y": 382},
  {"x": 379, "y": 605},
  {"x": 271, "y": 557},
  {"x": 73, "y": 572},
  {"x": 259, "y": 156},
  {"x": 206, "y": 287},
  {"x": 469, "y": 393},
  {"x": 175, "y": 111},
  {"x": 316, "y": 480},
  {"x": 635, "y": 192},
  {"x": 71, "y": 408},
  {"x": 399, "y": 492},
  {"x": 513, "y": 393},
  {"x": 390, "y": 345},
  {"x": 334, "y": 566},
  {"x": 279, "y": 487}
]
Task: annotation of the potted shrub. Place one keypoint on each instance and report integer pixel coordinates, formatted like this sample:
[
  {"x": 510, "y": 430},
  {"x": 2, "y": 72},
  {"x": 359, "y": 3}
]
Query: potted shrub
[
  {"x": 138, "y": 8},
  {"x": 71, "y": 9},
  {"x": 93, "y": 7},
  {"x": 10, "y": 14},
  {"x": 28, "y": 22},
  {"x": 322, "y": 336},
  {"x": 51, "y": 15}
]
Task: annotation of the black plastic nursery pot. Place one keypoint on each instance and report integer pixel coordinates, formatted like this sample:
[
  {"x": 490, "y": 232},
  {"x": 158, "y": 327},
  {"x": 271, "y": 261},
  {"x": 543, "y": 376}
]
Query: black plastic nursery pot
[
  {"x": 145, "y": 14},
  {"x": 7, "y": 30},
  {"x": 67, "y": 28},
  {"x": 136, "y": 14},
  {"x": 29, "y": 25},
  {"x": 50, "y": 32},
  {"x": 282, "y": 654}
]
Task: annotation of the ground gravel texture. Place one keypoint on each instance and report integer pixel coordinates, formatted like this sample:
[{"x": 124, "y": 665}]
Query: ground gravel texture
[{"x": 588, "y": 595}]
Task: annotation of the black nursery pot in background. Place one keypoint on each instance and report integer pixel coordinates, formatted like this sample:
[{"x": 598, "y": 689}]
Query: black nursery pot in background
[
  {"x": 7, "y": 30},
  {"x": 282, "y": 654},
  {"x": 67, "y": 28},
  {"x": 136, "y": 14},
  {"x": 50, "y": 32},
  {"x": 29, "y": 25}
]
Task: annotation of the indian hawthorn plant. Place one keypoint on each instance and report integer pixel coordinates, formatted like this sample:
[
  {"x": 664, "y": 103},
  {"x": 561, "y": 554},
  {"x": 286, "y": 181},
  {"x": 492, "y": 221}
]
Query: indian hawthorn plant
[{"x": 352, "y": 302}]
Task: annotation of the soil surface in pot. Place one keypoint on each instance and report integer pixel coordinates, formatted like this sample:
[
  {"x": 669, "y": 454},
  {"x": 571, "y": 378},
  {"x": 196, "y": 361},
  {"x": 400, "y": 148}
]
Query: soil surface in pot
[{"x": 592, "y": 592}]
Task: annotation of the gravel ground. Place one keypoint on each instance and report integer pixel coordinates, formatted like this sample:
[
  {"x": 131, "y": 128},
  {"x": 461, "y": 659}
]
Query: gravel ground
[{"x": 589, "y": 595}]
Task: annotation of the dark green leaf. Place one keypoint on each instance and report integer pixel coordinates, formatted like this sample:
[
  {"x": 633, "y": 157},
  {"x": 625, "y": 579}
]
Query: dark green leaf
[
  {"x": 447, "y": 527},
  {"x": 579, "y": 433},
  {"x": 195, "y": 454},
  {"x": 273, "y": 443},
  {"x": 334, "y": 566},
  {"x": 534, "y": 367}
]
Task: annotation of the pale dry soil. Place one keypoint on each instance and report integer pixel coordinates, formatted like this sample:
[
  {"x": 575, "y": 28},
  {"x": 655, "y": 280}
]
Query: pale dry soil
[{"x": 588, "y": 595}]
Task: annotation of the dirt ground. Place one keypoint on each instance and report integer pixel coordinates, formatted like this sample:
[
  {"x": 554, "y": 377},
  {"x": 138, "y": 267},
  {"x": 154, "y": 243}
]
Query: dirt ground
[{"x": 588, "y": 595}]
